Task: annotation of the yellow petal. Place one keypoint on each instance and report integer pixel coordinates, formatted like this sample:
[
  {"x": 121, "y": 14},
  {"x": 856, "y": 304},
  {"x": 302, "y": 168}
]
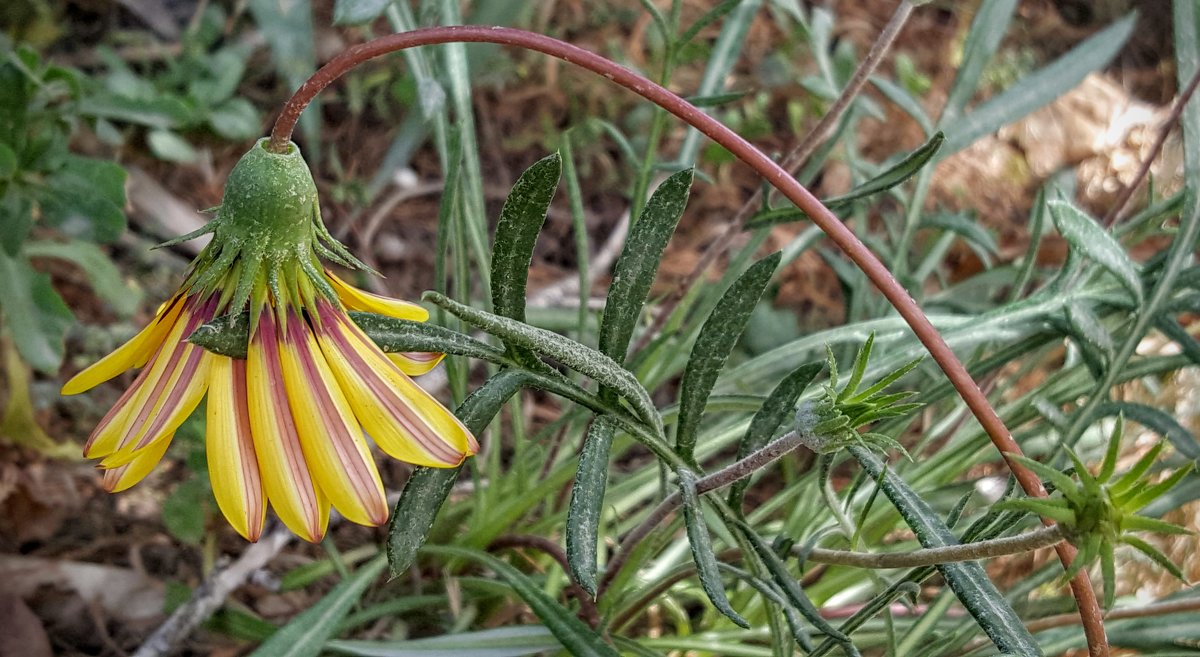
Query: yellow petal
[
  {"x": 404, "y": 420},
  {"x": 170, "y": 393},
  {"x": 356, "y": 299},
  {"x": 123, "y": 477},
  {"x": 133, "y": 353},
  {"x": 285, "y": 474},
  {"x": 333, "y": 443},
  {"x": 415, "y": 363},
  {"x": 232, "y": 465}
]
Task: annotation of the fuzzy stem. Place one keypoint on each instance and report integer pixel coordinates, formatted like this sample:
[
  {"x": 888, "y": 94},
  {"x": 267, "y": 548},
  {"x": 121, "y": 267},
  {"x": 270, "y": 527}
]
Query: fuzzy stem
[{"x": 776, "y": 176}]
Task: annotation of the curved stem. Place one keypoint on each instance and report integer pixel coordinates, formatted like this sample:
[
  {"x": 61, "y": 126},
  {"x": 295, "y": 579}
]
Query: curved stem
[{"x": 776, "y": 176}]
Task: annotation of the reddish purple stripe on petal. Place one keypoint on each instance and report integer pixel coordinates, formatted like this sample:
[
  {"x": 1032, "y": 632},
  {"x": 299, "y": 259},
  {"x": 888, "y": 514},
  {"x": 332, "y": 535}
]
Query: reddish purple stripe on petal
[{"x": 267, "y": 337}]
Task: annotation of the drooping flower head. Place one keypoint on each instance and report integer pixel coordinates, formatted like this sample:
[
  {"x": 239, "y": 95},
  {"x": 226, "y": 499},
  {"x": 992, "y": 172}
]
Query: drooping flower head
[{"x": 285, "y": 425}]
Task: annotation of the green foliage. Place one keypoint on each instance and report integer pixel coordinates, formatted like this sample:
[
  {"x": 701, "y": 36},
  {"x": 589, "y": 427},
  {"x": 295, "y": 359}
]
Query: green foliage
[
  {"x": 1099, "y": 512},
  {"x": 43, "y": 184}
]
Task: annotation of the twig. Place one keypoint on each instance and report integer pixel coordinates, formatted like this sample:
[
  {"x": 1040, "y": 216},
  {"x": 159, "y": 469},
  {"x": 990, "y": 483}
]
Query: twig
[
  {"x": 794, "y": 160},
  {"x": 1115, "y": 213},
  {"x": 210, "y": 595},
  {"x": 1155, "y": 609},
  {"x": 997, "y": 547},
  {"x": 774, "y": 175}
]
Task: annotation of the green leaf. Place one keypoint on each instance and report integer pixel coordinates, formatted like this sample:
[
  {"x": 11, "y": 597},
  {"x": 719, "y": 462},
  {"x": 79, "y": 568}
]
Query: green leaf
[
  {"x": 8, "y": 161},
  {"x": 169, "y": 146},
  {"x": 1052, "y": 509},
  {"x": 1113, "y": 450},
  {"x": 185, "y": 510},
  {"x": 580, "y": 358},
  {"x": 1088, "y": 327},
  {"x": 893, "y": 176},
  {"x": 1158, "y": 421},
  {"x": 1133, "y": 476},
  {"x": 356, "y": 12},
  {"x": 702, "y": 550},
  {"x": 514, "y": 641},
  {"x": 712, "y": 15},
  {"x": 305, "y": 635},
  {"x": 716, "y": 340},
  {"x": 427, "y": 488},
  {"x": 16, "y": 220},
  {"x": 228, "y": 335},
  {"x": 1099, "y": 245},
  {"x": 1148, "y": 494},
  {"x": 575, "y": 636},
  {"x": 987, "y": 29},
  {"x": 102, "y": 275},
  {"x": 35, "y": 315},
  {"x": 1034, "y": 90},
  {"x": 84, "y": 199},
  {"x": 638, "y": 263},
  {"x": 1144, "y": 524},
  {"x": 967, "y": 579},
  {"x": 1158, "y": 557},
  {"x": 775, "y": 410},
  {"x": 905, "y": 101},
  {"x": 1171, "y": 328},
  {"x": 858, "y": 369},
  {"x": 288, "y": 30},
  {"x": 521, "y": 220},
  {"x": 1108, "y": 572},
  {"x": 587, "y": 499},
  {"x": 236, "y": 120}
]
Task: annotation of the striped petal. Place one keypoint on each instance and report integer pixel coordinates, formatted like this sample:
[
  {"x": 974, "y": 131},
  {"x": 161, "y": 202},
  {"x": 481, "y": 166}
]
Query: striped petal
[
  {"x": 232, "y": 465},
  {"x": 133, "y": 353},
  {"x": 285, "y": 474},
  {"x": 333, "y": 443},
  {"x": 404, "y": 420},
  {"x": 165, "y": 406},
  {"x": 125, "y": 476},
  {"x": 356, "y": 299},
  {"x": 161, "y": 397},
  {"x": 416, "y": 363}
]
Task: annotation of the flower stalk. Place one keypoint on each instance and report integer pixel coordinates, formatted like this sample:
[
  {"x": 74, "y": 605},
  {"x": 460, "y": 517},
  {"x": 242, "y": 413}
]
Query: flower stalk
[{"x": 776, "y": 176}]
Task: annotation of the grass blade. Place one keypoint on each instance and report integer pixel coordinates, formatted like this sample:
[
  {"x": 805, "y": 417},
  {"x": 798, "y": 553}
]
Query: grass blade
[
  {"x": 579, "y": 639},
  {"x": 305, "y": 635}
]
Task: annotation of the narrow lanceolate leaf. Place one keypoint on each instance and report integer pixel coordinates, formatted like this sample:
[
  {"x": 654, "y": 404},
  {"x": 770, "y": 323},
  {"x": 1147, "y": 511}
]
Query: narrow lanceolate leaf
[
  {"x": 584, "y": 360},
  {"x": 967, "y": 579},
  {"x": 987, "y": 29},
  {"x": 1097, "y": 244},
  {"x": 777, "y": 408},
  {"x": 717, "y": 338},
  {"x": 702, "y": 550},
  {"x": 521, "y": 220},
  {"x": 638, "y": 263},
  {"x": 576, "y": 637},
  {"x": 587, "y": 499},
  {"x": 228, "y": 335},
  {"x": 1037, "y": 89},
  {"x": 891, "y": 177},
  {"x": 1158, "y": 421},
  {"x": 1087, "y": 326},
  {"x": 427, "y": 488},
  {"x": 306, "y": 634}
]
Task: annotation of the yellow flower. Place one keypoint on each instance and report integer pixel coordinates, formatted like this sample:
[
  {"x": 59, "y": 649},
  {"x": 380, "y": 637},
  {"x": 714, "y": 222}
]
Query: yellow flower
[{"x": 285, "y": 425}]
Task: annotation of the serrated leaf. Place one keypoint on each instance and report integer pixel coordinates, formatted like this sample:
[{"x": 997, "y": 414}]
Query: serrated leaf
[
  {"x": 1158, "y": 421},
  {"x": 587, "y": 500},
  {"x": 576, "y": 637},
  {"x": 578, "y": 357},
  {"x": 305, "y": 635},
  {"x": 520, "y": 222},
  {"x": 716, "y": 340},
  {"x": 1097, "y": 244},
  {"x": 1032, "y": 91},
  {"x": 702, "y": 550},
  {"x": 777, "y": 408},
  {"x": 638, "y": 263},
  {"x": 427, "y": 488},
  {"x": 967, "y": 579}
]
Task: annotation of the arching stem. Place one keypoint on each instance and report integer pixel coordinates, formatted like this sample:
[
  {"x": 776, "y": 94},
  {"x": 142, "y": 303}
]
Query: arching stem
[{"x": 774, "y": 174}]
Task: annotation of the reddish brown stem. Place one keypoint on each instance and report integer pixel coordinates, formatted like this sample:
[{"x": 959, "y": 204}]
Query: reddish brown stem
[{"x": 841, "y": 235}]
